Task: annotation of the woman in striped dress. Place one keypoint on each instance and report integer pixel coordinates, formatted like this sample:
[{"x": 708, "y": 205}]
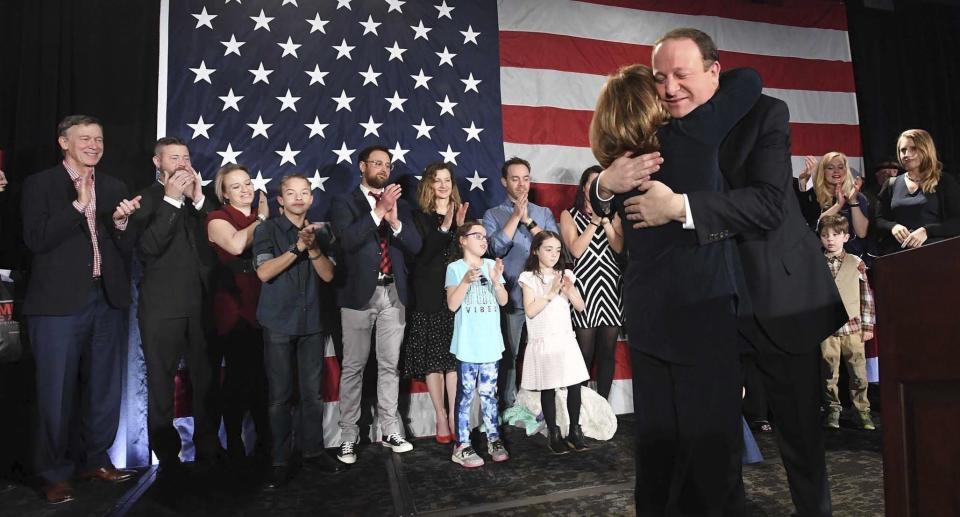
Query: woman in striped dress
[{"x": 594, "y": 243}]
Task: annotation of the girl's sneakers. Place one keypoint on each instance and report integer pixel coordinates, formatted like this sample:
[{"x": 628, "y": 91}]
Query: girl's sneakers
[
  {"x": 466, "y": 456},
  {"x": 498, "y": 452}
]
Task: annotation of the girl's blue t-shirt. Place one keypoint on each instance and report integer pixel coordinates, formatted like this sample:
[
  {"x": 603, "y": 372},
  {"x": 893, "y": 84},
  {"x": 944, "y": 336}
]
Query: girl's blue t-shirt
[{"x": 476, "y": 331}]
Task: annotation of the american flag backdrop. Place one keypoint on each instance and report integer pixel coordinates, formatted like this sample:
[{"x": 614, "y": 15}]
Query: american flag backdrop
[
  {"x": 286, "y": 86},
  {"x": 301, "y": 85}
]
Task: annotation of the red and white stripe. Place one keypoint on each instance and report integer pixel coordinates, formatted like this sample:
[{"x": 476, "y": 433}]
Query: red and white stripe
[
  {"x": 420, "y": 417},
  {"x": 555, "y": 56}
]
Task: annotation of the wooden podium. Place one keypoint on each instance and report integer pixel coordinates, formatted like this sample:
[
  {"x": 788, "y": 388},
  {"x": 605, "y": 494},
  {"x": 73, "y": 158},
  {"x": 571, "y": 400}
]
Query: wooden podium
[{"x": 918, "y": 314}]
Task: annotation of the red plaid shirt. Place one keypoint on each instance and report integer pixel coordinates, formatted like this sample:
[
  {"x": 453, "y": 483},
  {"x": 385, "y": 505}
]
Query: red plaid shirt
[
  {"x": 90, "y": 213},
  {"x": 867, "y": 318}
]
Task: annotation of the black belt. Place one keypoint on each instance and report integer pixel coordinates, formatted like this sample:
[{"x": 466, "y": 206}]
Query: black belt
[{"x": 386, "y": 280}]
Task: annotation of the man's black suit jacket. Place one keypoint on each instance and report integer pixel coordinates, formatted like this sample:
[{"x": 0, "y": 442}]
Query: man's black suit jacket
[
  {"x": 359, "y": 249},
  {"x": 794, "y": 298},
  {"x": 59, "y": 238},
  {"x": 177, "y": 260}
]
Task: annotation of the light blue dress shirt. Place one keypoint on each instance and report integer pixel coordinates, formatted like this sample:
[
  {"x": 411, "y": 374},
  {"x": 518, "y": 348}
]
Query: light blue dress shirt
[{"x": 514, "y": 252}]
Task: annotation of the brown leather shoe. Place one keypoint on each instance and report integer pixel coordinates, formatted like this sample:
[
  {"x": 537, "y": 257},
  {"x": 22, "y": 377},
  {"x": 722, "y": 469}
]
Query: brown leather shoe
[
  {"x": 57, "y": 493},
  {"x": 109, "y": 474}
]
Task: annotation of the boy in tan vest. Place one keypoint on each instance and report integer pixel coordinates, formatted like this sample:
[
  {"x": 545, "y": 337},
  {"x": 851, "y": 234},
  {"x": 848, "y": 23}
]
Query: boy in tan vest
[{"x": 850, "y": 274}]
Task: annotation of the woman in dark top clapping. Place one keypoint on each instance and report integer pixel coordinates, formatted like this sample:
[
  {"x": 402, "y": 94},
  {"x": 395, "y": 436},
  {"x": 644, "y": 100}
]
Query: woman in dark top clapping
[
  {"x": 230, "y": 232},
  {"x": 836, "y": 191},
  {"x": 921, "y": 206},
  {"x": 430, "y": 322}
]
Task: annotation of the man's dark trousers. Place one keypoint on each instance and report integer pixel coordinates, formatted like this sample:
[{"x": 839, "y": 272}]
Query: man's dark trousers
[{"x": 84, "y": 347}]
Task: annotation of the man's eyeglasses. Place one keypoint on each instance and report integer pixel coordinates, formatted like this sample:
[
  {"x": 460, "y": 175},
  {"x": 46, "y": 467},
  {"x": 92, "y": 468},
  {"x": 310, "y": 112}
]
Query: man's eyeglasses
[
  {"x": 476, "y": 235},
  {"x": 379, "y": 163}
]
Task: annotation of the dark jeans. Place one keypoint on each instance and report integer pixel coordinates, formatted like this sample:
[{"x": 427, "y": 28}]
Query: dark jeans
[
  {"x": 78, "y": 386},
  {"x": 294, "y": 361}
]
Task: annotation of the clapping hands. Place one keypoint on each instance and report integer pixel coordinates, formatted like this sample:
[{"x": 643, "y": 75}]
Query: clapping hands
[
  {"x": 855, "y": 191},
  {"x": 178, "y": 184},
  {"x": 126, "y": 208},
  {"x": 565, "y": 284},
  {"x": 84, "y": 189},
  {"x": 454, "y": 211},
  {"x": 561, "y": 284},
  {"x": 555, "y": 287},
  {"x": 308, "y": 235},
  {"x": 388, "y": 199},
  {"x": 496, "y": 273},
  {"x": 386, "y": 206},
  {"x": 809, "y": 165},
  {"x": 447, "y": 218},
  {"x": 195, "y": 190},
  {"x": 472, "y": 275},
  {"x": 263, "y": 207},
  {"x": 462, "y": 212},
  {"x": 520, "y": 208}
]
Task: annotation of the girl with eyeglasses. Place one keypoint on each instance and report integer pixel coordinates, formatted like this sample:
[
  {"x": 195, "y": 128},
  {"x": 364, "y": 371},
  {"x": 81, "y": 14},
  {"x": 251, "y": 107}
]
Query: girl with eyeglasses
[{"x": 475, "y": 293}]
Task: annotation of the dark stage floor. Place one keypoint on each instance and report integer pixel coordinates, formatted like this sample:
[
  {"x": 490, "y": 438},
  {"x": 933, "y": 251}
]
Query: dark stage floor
[{"x": 426, "y": 482}]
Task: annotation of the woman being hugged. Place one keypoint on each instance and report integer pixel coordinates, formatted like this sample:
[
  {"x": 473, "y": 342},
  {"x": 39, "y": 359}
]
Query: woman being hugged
[
  {"x": 681, "y": 295},
  {"x": 552, "y": 359},
  {"x": 430, "y": 322},
  {"x": 230, "y": 233},
  {"x": 922, "y": 205},
  {"x": 594, "y": 243},
  {"x": 475, "y": 293}
]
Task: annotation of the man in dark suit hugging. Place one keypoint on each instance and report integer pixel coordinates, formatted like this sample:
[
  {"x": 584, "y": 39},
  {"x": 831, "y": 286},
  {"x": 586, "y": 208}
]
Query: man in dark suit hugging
[
  {"x": 177, "y": 263},
  {"x": 789, "y": 304}
]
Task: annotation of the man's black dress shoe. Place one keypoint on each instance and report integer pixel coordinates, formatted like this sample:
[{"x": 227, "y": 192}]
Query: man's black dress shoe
[{"x": 278, "y": 478}]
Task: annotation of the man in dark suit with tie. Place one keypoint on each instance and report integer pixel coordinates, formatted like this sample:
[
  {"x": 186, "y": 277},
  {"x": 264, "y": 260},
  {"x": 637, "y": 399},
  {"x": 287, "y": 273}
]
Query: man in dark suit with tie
[
  {"x": 75, "y": 223},
  {"x": 375, "y": 230},
  {"x": 177, "y": 264},
  {"x": 793, "y": 303}
]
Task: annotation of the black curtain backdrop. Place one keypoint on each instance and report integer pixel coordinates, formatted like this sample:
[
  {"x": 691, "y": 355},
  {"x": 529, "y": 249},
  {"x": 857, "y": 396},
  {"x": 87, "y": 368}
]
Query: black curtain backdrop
[
  {"x": 97, "y": 57},
  {"x": 59, "y": 57},
  {"x": 906, "y": 65}
]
